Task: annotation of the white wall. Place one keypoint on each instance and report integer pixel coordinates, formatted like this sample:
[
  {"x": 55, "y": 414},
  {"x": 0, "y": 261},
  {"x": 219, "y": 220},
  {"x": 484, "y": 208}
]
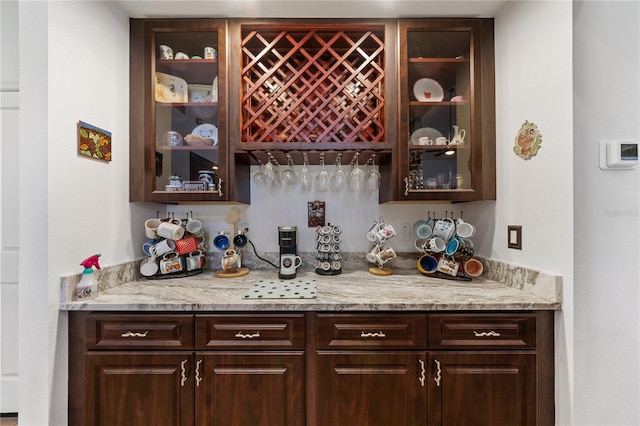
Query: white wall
[
  {"x": 606, "y": 106},
  {"x": 534, "y": 83}
]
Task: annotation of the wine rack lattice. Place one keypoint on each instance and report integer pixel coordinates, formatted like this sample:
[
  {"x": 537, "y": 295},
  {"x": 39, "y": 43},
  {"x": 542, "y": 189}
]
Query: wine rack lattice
[{"x": 313, "y": 85}]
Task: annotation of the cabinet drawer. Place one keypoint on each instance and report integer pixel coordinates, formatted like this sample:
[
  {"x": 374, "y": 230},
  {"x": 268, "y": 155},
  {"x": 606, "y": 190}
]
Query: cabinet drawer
[
  {"x": 247, "y": 331},
  {"x": 477, "y": 331},
  {"x": 128, "y": 331},
  {"x": 380, "y": 331}
]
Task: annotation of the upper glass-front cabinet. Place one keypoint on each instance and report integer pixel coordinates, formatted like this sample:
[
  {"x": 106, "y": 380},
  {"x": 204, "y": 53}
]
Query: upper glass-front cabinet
[
  {"x": 447, "y": 130},
  {"x": 178, "y": 125}
]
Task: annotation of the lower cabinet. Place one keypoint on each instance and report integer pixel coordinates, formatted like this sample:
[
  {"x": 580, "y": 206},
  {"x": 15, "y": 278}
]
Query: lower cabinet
[
  {"x": 244, "y": 388},
  {"x": 313, "y": 369}
]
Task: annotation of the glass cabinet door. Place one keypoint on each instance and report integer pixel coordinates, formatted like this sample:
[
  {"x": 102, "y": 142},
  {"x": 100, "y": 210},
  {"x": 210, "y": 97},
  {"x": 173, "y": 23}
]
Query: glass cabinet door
[
  {"x": 186, "y": 111},
  {"x": 441, "y": 119},
  {"x": 180, "y": 65}
]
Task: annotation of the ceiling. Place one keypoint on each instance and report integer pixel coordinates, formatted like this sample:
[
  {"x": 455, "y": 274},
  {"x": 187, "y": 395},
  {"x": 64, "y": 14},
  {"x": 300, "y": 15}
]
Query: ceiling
[{"x": 311, "y": 8}]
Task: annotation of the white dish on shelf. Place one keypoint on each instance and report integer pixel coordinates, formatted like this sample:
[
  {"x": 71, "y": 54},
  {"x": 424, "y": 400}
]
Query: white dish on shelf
[
  {"x": 428, "y": 90},
  {"x": 214, "y": 90},
  {"x": 170, "y": 89},
  {"x": 428, "y": 132},
  {"x": 207, "y": 130}
]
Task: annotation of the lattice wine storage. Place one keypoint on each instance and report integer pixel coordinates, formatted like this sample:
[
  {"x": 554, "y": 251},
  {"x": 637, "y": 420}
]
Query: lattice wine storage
[{"x": 313, "y": 83}]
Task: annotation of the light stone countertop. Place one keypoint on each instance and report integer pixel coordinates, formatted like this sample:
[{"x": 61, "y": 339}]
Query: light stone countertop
[{"x": 405, "y": 290}]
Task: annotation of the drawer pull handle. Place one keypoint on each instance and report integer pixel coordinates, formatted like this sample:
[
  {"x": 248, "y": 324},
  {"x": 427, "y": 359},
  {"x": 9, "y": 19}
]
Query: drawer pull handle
[
  {"x": 422, "y": 372},
  {"x": 489, "y": 333},
  {"x": 183, "y": 372},
  {"x": 134, "y": 334},
  {"x": 438, "y": 373},
  {"x": 380, "y": 334},
  {"x": 198, "y": 378},
  {"x": 241, "y": 335}
]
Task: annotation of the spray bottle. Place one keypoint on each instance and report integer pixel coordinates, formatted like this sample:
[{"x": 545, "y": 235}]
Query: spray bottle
[{"x": 88, "y": 286}]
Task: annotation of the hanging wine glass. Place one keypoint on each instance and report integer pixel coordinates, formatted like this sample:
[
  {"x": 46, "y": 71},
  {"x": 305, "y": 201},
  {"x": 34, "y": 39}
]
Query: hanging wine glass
[
  {"x": 322, "y": 179},
  {"x": 304, "y": 176},
  {"x": 289, "y": 175},
  {"x": 357, "y": 175},
  {"x": 372, "y": 181},
  {"x": 260, "y": 178},
  {"x": 339, "y": 179}
]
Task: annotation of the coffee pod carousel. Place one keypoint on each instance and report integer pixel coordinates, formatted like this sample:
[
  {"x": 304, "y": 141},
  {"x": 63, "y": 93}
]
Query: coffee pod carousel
[
  {"x": 447, "y": 248},
  {"x": 379, "y": 234},
  {"x": 328, "y": 251},
  {"x": 232, "y": 257}
]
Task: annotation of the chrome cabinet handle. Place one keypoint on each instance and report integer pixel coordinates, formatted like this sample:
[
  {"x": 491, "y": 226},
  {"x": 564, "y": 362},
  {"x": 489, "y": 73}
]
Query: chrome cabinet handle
[
  {"x": 438, "y": 373},
  {"x": 241, "y": 335},
  {"x": 422, "y": 372},
  {"x": 198, "y": 378},
  {"x": 489, "y": 333},
  {"x": 406, "y": 186},
  {"x": 135, "y": 334},
  {"x": 365, "y": 334},
  {"x": 183, "y": 372}
]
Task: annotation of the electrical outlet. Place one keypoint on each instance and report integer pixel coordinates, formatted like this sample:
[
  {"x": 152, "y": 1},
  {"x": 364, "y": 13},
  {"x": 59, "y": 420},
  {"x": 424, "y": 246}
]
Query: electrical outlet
[{"x": 405, "y": 232}]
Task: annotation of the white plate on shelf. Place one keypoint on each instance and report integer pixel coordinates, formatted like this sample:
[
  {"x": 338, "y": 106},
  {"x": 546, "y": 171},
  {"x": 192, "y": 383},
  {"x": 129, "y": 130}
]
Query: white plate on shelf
[
  {"x": 170, "y": 89},
  {"x": 428, "y": 90},
  {"x": 207, "y": 130},
  {"x": 429, "y": 132}
]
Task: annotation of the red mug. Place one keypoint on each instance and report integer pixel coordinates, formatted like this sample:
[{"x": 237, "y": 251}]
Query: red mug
[{"x": 186, "y": 245}]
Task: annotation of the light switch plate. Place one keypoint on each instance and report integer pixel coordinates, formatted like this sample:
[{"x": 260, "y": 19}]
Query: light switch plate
[{"x": 514, "y": 237}]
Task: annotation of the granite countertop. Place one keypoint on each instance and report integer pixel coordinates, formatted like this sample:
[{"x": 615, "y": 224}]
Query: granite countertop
[{"x": 405, "y": 290}]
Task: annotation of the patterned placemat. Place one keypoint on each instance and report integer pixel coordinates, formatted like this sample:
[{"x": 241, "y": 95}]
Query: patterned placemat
[{"x": 283, "y": 289}]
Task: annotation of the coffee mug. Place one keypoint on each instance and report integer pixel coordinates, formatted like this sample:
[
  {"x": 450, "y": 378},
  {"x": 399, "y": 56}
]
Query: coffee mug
[
  {"x": 424, "y": 140},
  {"x": 385, "y": 233},
  {"x": 231, "y": 261},
  {"x": 371, "y": 233},
  {"x": 194, "y": 227},
  {"x": 444, "y": 228},
  {"x": 385, "y": 255},
  {"x": 473, "y": 267},
  {"x": 149, "y": 267},
  {"x": 210, "y": 53},
  {"x": 170, "y": 231},
  {"x": 290, "y": 262},
  {"x": 146, "y": 247},
  {"x": 151, "y": 227},
  {"x": 464, "y": 229},
  {"x": 240, "y": 240},
  {"x": 435, "y": 245},
  {"x": 448, "y": 266},
  {"x": 421, "y": 244},
  {"x": 427, "y": 264},
  {"x": 195, "y": 260},
  {"x": 221, "y": 241},
  {"x": 442, "y": 141},
  {"x": 373, "y": 253},
  {"x": 162, "y": 247},
  {"x": 170, "y": 263},
  {"x": 186, "y": 245}
]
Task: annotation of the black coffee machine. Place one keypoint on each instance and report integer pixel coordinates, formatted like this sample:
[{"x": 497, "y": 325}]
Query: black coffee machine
[{"x": 289, "y": 259}]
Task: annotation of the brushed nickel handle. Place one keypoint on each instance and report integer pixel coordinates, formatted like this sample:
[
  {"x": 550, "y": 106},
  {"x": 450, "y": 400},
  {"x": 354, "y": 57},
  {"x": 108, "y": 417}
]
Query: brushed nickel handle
[
  {"x": 220, "y": 194},
  {"x": 422, "y": 372},
  {"x": 489, "y": 333},
  {"x": 135, "y": 334},
  {"x": 365, "y": 334},
  {"x": 438, "y": 373},
  {"x": 406, "y": 186},
  {"x": 198, "y": 378},
  {"x": 184, "y": 372},
  {"x": 241, "y": 335}
]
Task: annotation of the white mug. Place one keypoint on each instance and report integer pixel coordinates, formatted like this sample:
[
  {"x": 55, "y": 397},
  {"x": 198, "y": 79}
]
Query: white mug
[
  {"x": 464, "y": 229},
  {"x": 195, "y": 260},
  {"x": 195, "y": 228},
  {"x": 170, "y": 231},
  {"x": 373, "y": 253},
  {"x": 149, "y": 267},
  {"x": 164, "y": 246},
  {"x": 371, "y": 233},
  {"x": 151, "y": 227},
  {"x": 442, "y": 141},
  {"x": 290, "y": 262},
  {"x": 166, "y": 52},
  {"x": 436, "y": 245},
  {"x": 385, "y": 255}
]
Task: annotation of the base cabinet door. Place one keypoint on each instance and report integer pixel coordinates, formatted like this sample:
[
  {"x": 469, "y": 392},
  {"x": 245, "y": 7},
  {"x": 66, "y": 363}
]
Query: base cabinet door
[
  {"x": 372, "y": 388},
  {"x": 139, "y": 389},
  {"x": 482, "y": 388},
  {"x": 250, "y": 389}
]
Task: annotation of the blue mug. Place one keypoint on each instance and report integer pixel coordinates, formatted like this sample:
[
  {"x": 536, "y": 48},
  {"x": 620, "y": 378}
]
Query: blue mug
[{"x": 221, "y": 241}]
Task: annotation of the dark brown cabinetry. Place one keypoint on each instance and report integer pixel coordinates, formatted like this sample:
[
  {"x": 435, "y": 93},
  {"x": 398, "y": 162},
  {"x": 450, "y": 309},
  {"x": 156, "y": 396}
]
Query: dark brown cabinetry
[
  {"x": 324, "y": 369},
  {"x": 446, "y": 144},
  {"x": 320, "y": 88},
  {"x": 178, "y": 113}
]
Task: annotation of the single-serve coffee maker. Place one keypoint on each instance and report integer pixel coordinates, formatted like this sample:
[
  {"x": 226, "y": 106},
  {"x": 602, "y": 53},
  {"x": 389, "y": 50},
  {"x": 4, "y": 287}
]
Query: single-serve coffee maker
[{"x": 289, "y": 259}]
